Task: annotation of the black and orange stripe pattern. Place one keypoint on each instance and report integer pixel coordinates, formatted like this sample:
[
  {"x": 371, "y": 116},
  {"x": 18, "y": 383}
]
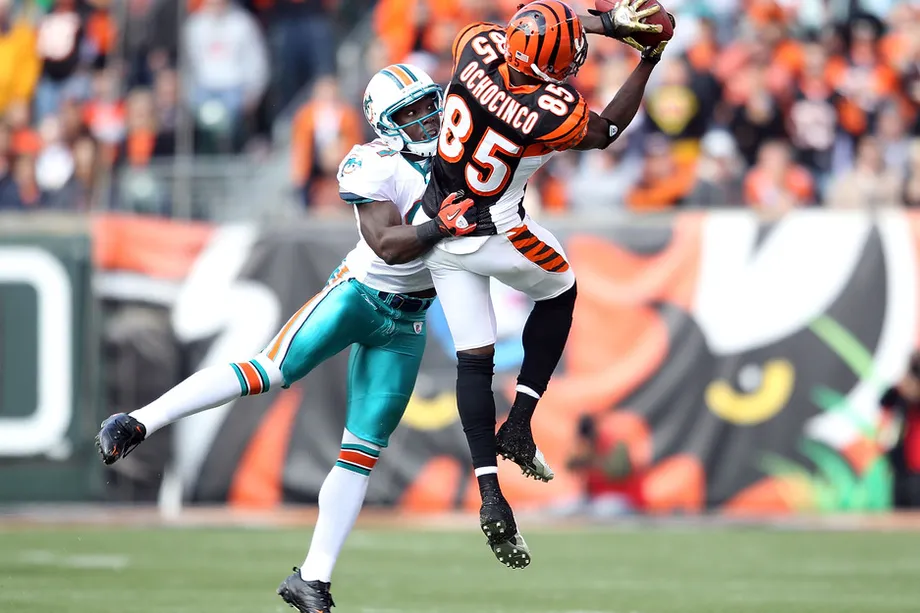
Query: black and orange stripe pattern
[
  {"x": 467, "y": 34},
  {"x": 572, "y": 130},
  {"x": 546, "y": 35},
  {"x": 536, "y": 250}
]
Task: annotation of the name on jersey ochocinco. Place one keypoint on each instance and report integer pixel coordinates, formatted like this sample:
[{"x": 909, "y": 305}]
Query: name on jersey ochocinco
[{"x": 494, "y": 99}]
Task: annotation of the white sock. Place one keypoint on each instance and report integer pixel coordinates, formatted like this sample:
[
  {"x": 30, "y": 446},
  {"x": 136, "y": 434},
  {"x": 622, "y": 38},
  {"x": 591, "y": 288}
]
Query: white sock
[
  {"x": 340, "y": 501},
  {"x": 207, "y": 389}
]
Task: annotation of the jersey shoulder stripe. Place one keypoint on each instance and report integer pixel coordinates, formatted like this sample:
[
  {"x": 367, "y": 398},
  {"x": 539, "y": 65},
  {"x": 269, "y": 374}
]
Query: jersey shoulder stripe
[{"x": 467, "y": 34}]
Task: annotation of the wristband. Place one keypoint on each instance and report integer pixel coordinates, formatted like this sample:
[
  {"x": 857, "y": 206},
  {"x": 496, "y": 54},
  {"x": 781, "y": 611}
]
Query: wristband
[
  {"x": 429, "y": 232},
  {"x": 609, "y": 29}
]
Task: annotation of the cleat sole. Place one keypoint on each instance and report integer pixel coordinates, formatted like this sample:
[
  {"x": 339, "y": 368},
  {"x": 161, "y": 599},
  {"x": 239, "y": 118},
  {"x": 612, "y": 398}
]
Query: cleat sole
[
  {"x": 504, "y": 547},
  {"x": 525, "y": 469}
]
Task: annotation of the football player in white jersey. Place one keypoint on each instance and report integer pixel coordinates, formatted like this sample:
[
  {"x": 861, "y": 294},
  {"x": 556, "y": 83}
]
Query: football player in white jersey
[{"x": 374, "y": 307}]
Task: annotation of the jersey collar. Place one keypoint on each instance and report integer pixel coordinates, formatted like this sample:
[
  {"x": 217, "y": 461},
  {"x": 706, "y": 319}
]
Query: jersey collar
[
  {"x": 518, "y": 89},
  {"x": 423, "y": 166}
]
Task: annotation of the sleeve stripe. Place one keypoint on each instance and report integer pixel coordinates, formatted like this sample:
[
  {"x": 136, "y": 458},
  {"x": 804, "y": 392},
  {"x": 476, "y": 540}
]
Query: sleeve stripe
[
  {"x": 351, "y": 198},
  {"x": 574, "y": 122}
]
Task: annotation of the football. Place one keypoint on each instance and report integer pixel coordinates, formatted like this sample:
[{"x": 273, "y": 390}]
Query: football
[{"x": 646, "y": 39}]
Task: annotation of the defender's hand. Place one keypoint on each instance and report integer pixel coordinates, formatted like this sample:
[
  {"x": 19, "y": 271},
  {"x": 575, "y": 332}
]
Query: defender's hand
[
  {"x": 626, "y": 19},
  {"x": 451, "y": 217}
]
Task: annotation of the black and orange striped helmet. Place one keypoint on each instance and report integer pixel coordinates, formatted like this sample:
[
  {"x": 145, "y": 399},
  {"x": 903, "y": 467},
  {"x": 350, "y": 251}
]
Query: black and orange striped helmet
[{"x": 546, "y": 40}]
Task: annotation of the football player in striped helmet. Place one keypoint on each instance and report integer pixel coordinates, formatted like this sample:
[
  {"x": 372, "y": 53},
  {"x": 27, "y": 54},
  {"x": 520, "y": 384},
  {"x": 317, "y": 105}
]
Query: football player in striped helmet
[
  {"x": 508, "y": 110},
  {"x": 374, "y": 302}
]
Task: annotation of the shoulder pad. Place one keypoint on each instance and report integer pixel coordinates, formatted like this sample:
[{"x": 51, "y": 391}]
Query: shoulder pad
[{"x": 366, "y": 173}]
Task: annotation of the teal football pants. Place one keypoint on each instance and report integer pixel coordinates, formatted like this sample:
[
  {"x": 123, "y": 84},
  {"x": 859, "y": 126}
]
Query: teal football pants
[{"x": 387, "y": 347}]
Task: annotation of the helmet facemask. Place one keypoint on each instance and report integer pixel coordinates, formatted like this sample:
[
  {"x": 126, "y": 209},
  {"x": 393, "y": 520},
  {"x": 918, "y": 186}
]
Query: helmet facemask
[{"x": 397, "y": 135}]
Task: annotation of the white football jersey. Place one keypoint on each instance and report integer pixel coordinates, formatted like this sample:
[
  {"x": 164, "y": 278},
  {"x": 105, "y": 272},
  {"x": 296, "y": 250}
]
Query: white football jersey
[{"x": 374, "y": 172}]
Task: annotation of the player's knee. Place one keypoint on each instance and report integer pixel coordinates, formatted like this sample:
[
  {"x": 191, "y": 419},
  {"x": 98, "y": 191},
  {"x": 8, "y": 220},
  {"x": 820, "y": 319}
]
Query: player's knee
[
  {"x": 480, "y": 360},
  {"x": 563, "y": 302},
  {"x": 487, "y": 350}
]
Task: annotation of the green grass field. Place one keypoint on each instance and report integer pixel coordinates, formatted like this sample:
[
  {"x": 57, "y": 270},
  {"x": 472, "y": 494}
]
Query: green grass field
[{"x": 650, "y": 570}]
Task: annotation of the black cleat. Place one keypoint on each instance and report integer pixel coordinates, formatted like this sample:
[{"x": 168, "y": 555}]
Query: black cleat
[
  {"x": 497, "y": 522},
  {"x": 514, "y": 442},
  {"x": 119, "y": 435},
  {"x": 306, "y": 596}
]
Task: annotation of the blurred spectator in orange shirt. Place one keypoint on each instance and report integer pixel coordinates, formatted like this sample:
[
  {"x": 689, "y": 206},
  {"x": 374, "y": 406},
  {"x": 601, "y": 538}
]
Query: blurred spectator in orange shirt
[
  {"x": 405, "y": 26},
  {"x": 324, "y": 130},
  {"x": 25, "y": 140},
  {"x": 764, "y": 43},
  {"x": 902, "y": 41},
  {"x": 19, "y": 62},
  {"x": 664, "y": 181},
  {"x": 863, "y": 81},
  {"x": 776, "y": 185},
  {"x": 143, "y": 140},
  {"x": 104, "y": 113}
]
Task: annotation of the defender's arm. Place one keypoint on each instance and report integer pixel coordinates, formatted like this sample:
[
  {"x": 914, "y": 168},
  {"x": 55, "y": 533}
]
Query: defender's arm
[
  {"x": 384, "y": 232},
  {"x": 396, "y": 243}
]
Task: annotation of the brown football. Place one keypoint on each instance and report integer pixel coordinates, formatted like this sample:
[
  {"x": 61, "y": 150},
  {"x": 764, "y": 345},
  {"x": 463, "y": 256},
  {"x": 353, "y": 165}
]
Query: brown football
[{"x": 646, "y": 39}]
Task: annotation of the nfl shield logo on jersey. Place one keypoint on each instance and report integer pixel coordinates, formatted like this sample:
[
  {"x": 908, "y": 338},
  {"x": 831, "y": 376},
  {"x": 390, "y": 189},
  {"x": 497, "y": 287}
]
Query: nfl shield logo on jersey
[{"x": 418, "y": 326}]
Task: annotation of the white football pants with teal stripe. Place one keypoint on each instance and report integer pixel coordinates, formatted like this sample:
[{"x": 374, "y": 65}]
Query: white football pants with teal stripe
[{"x": 387, "y": 346}]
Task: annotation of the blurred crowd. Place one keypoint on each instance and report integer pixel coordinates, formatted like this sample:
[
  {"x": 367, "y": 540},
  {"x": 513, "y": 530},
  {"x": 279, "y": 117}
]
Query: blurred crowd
[
  {"x": 762, "y": 103},
  {"x": 88, "y": 86},
  {"x": 771, "y": 104}
]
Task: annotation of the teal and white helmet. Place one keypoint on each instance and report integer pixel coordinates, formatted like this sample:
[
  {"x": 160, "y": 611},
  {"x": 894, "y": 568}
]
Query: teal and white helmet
[{"x": 396, "y": 87}]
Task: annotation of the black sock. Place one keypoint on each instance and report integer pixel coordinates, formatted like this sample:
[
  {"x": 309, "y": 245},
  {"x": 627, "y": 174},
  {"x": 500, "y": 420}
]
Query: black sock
[
  {"x": 488, "y": 485},
  {"x": 523, "y": 407},
  {"x": 544, "y": 338},
  {"x": 476, "y": 405}
]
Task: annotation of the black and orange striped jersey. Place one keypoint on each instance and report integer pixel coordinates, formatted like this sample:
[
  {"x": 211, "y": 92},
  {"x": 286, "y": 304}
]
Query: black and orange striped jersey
[{"x": 495, "y": 135}]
